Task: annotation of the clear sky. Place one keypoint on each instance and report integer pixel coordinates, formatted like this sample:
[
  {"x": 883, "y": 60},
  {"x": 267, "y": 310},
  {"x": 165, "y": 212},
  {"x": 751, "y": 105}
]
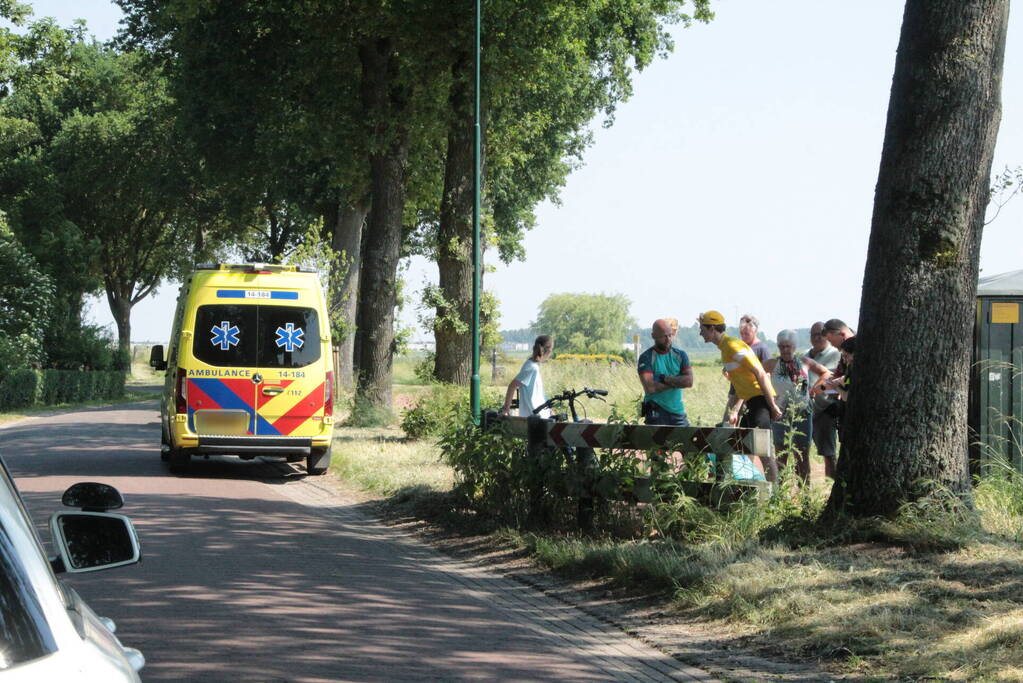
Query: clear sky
[{"x": 740, "y": 176}]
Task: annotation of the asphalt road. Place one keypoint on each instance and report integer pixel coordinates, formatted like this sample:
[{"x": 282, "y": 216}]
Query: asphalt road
[{"x": 253, "y": 572}]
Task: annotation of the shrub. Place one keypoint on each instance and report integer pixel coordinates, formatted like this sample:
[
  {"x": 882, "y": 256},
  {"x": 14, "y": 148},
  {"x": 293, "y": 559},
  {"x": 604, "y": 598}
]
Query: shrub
[
  {"x": 424, "y": 368},
  {"x": 19, "y": 389},
  {"x": 89, "y": 347},
  {"x": 366, "y": 414},
  {"x": 495, "y": 477},
  {"x": 13, "y": 354},
  {"x": 438, "y": 406},
  {"x": 26, "y": 299},
  {"x": 75, "y": 386},
  {"x": 24, "y": 388}
]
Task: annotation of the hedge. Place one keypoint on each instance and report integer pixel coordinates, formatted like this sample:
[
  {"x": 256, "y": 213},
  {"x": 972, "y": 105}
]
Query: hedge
[{"x": 26, "y": 388}]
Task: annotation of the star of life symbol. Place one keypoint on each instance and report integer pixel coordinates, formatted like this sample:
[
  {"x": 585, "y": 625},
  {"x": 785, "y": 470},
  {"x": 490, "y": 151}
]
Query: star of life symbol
[
  {"x": 290, "y": 338},
  {"x": 225, "y": 335}
]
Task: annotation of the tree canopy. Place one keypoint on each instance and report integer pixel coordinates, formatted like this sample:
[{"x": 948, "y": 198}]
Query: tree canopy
[{"x": 585, "y": 323}]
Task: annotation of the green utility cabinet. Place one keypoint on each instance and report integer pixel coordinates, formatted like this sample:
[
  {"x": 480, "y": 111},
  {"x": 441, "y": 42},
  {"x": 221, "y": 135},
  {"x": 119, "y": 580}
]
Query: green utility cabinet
[{"x": 996, "y": 391}]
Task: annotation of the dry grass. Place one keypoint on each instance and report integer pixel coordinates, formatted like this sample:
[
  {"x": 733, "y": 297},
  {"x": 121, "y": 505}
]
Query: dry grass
[{"x": 383, "y": 462}]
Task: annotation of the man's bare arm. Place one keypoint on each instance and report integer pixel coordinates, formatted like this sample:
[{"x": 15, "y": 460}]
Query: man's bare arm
[{"x": 650, "y": 385}]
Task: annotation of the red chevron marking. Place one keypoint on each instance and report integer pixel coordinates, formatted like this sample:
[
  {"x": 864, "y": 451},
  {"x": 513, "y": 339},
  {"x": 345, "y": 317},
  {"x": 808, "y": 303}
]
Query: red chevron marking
[
  {"x": 555, "y": 433},
  {"x": 589, "y": 435}
]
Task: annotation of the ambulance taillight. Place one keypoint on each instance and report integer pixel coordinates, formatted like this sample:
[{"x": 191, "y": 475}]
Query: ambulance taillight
[
  {"x": 181, "y": 392},
  {"x": 328, "y": 394}
]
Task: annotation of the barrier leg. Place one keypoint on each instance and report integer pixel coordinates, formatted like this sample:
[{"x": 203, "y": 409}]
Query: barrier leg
[
  {"x": 586, "y": 462},
  {"x": 536, "y": 443}
]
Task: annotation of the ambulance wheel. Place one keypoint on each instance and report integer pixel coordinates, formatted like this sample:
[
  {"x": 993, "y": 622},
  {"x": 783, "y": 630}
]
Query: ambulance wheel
[
  {"x": 318, "y": 461},
  {"x": 178, "y": 461},
  {"x": 165, "y": 445}
]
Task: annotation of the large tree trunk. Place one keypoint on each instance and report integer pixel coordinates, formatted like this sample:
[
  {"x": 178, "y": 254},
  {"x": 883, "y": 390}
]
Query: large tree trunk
[
  {"x": 385, "y": 102},
  {"x": 120, "y": 302},
  {"x": 452, "y": 327},
  {"x": 346, "y": 240},
  {"x": 905, "y": 432}
]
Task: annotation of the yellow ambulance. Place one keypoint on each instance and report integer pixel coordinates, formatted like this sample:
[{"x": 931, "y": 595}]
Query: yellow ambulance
[{"x": 249, "y": 368}]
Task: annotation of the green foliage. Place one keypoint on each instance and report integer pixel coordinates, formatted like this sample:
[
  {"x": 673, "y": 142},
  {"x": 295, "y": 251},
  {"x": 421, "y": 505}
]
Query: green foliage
[
  {"x": 424, "y": 368},
  {"x": 72, "y": 386},
  {"x": 26, "y": 388},
  {"x": 26, "y": 296},
  {"x": 490, "y": 315},
  {"x": 585, "y": 323},
  {"x": 96, "y": 177},
  {"x": 523, "y": 335},
  {"x": 495, "y": 477},
  {"x": 83, "y": 347},
  {"x": 20, "y": 389},
  {"x": 440, "y": 404},
  {"x": 432, "y": 408},
  {"x": 363, "y": 413},
  {"x": 341, "y": 328}
]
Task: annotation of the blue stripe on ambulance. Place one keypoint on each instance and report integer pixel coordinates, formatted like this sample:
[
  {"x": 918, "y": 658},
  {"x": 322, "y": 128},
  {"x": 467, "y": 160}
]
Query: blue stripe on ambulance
[{"x": 227, "y": 399}]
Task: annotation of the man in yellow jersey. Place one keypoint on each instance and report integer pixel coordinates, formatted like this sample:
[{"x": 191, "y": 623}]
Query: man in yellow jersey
[{"x": 752, "y": 384}]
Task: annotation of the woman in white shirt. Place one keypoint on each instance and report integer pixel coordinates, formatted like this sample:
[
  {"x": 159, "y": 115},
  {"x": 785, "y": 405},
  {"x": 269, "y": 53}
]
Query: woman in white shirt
[{"x": 528, "y": 382}]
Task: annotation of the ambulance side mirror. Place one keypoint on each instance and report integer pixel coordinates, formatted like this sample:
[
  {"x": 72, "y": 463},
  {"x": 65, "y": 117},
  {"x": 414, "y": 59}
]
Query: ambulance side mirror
[{"x": 156, "y": 360}]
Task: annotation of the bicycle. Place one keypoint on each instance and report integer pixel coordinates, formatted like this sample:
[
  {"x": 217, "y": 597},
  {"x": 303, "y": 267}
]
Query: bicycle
[
  {"x": 569, "y": 396},
  {"x": 584, "y": 457}
]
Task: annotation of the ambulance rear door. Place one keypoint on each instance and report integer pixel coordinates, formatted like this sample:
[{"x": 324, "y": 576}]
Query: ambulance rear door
[{"x": 290, "y": 395}]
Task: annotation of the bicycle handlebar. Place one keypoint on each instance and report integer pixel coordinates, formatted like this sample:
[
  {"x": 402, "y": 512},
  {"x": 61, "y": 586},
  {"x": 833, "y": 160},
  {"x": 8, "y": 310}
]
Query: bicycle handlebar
[{"x": 570, "y": 395}]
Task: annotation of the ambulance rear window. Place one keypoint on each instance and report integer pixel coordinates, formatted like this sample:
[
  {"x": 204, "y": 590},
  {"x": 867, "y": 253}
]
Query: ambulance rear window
[{"x": 256, "y": 335}]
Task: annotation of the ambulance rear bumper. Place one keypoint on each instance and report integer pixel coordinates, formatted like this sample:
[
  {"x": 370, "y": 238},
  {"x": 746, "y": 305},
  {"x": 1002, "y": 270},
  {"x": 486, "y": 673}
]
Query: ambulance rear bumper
[{"x": 256, "y": 445}]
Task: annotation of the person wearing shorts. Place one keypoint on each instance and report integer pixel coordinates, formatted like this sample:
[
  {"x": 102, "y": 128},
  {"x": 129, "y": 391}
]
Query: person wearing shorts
[{"x": 752, "y": 384}]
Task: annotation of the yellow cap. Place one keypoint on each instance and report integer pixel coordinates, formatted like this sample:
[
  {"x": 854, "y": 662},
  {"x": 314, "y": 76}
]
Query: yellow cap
[{"x": 711, "y": 318}]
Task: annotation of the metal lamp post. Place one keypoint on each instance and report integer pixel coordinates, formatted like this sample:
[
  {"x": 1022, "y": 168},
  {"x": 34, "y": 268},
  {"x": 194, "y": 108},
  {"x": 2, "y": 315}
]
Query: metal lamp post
[{"x": 474, "y": 387}]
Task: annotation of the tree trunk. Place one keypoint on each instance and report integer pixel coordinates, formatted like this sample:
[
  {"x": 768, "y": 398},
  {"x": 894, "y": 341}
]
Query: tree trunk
[
  {"x": 452, "y": 326},
  {"x": 344, "y": 296},
  {"x": 120, "y": 309},
  {"x": 905, "y": 433},
  {"x": 385, "y": 102}
]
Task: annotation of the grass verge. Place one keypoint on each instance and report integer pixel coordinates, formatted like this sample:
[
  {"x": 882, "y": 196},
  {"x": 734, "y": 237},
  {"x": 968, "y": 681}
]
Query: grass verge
[{"x": 934, "y": 595}]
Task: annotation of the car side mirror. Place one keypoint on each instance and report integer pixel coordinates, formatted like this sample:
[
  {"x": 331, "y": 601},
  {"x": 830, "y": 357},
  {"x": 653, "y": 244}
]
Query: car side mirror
[
  {"x": 90, "y": 541},
  {"x": 156, "y": 360},
  {"x": 92, "y": 497}
]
